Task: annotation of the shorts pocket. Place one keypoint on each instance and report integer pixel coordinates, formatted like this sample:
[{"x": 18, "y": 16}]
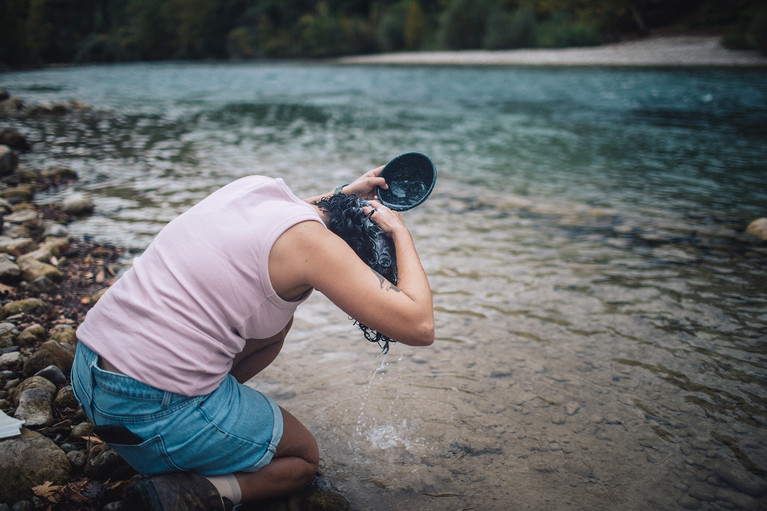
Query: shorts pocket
[{"x": 149, "y": 457}]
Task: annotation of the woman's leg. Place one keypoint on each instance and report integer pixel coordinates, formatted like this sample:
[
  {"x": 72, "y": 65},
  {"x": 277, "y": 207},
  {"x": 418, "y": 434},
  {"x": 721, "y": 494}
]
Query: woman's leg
[
  {"x": 294, "y": 464},
  {"x": 257, "y": 354}
]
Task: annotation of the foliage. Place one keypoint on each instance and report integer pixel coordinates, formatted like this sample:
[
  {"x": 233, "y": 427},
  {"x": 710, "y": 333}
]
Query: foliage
[
  {"x": 560, "y": 31},
  {"x": 510, "y": 30},
  {"x": 35, "y": 32},
  {"x": 758, "y": 31}
]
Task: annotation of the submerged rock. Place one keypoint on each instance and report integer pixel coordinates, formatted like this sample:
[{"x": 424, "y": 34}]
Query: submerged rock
[
  {"x": 78, "y": 205},
  {"x": 758, "y": 228}
]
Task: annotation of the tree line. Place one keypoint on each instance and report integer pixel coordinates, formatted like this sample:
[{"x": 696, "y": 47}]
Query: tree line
[{"x": 37, "y": 32}]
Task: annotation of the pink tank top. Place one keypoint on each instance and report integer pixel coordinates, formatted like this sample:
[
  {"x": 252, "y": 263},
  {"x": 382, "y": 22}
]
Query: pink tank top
[{"x": 176, "y": 319}]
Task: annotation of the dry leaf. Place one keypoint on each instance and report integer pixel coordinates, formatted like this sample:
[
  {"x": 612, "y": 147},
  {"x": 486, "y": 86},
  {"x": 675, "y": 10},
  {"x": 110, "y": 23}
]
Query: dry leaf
[
  {"x": 47, "y": 491},
  {"x": 94, "y": 439}
]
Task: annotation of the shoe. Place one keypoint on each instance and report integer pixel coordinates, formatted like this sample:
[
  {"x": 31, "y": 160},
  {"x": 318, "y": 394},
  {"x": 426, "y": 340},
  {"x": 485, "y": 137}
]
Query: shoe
[{"x": 182, "y": 491}]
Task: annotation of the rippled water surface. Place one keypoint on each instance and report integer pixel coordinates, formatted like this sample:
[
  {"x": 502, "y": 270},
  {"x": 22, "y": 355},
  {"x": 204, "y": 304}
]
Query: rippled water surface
[{"x": 601, "y": 318}]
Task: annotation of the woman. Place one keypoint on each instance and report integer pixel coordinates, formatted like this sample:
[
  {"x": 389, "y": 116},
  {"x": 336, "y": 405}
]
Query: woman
[{"x": 163, "y": 356}]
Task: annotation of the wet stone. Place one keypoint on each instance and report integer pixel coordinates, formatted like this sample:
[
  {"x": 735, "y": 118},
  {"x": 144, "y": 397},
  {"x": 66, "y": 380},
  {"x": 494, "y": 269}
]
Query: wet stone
[
  {"x": 687, "y": 502},
  {"x": 571, "y": 408},
  {"x": 737, "y": 499},
  {"x": 703, "y": 492},
  {"x": 742, "y": 481}
]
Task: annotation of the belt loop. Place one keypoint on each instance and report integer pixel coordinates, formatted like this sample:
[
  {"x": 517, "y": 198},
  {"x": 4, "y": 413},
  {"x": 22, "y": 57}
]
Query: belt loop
[{"x": 166, "y": 397}]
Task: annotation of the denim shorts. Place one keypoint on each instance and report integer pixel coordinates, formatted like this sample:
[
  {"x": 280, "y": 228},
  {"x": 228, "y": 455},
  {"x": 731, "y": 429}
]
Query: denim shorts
[{"x": 234, "y": 428}]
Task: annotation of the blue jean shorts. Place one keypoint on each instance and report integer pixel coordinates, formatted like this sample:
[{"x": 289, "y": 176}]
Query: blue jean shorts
[{"x": 234, "y": 428}]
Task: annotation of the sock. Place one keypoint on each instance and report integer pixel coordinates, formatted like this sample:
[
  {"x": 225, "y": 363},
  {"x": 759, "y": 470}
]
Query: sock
[{"x": 227, "y": 486}]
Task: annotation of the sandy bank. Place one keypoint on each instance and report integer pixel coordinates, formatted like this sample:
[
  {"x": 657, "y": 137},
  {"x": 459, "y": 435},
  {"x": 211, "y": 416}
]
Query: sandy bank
[{"x": 652, "y": 52}]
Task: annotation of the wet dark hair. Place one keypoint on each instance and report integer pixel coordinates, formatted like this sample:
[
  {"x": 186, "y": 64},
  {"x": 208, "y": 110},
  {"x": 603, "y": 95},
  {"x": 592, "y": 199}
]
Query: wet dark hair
[{"x": 346, "y": 219}]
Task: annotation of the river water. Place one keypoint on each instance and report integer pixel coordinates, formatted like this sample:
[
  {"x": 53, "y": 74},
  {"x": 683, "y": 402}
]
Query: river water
[{"x": 601, "y": 318}]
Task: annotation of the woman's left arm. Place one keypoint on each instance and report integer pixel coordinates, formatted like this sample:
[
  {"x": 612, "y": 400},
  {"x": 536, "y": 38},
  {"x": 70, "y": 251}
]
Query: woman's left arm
[{"x": 309, "y": 255}]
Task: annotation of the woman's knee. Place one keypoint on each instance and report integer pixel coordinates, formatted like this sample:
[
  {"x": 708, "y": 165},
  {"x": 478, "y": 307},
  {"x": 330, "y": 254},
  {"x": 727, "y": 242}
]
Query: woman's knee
[{"x": 297, "y": 441}]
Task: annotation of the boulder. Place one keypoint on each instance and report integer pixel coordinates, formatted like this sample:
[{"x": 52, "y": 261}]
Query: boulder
[
  {"x": 32, "y": 334},
  {"x": 52, "y": 247},
  {"x": 22, "y": 216},
  {"x": 10, "y": 273},
  {"x": 34, "y": 407},
  {"x": 105, "y": 464},
  {"x": 34, "y": 383},
  {"x": 50, "y": 353},
  {"x": 13, "y": 139},
  {"x": 20, "y": 306},
  {"x": 9, "y": 160},
  {"x": 60, "y": 173},
  {"x": 29, "y": 460},
  {"x": 17, "y": 193},
  {"x": 16, "y": 246},
  {"x": 53, "y": 374},
  {"x": 41, "y": 285},
  {"x": 10, "y": 361},
  {"x": 64, "y": 334},
  {"x": 66, "y": 398},
  {"x": 758, "y": 229},
  {"x": 32, "y": 269}
]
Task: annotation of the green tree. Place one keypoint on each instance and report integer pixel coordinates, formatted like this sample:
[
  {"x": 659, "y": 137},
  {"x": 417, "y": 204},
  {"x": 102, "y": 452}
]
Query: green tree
[
  {"x": 147, "y": 31},
  {"x": 417, "y": 28},
  {"x": 192, "y": 23},
  {"x": 463, "y": 23}
]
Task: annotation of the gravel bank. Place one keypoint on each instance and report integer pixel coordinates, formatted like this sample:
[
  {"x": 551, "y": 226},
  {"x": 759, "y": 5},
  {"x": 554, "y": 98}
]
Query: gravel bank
[{"x": 701, "y": 51}]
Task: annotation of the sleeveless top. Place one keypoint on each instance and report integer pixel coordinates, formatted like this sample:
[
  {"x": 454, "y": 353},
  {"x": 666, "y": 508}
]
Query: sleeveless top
[{"x": 178, "y": 316}]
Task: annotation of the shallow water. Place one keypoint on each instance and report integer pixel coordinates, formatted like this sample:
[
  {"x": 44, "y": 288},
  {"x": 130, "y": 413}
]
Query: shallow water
[{"x": 601, "y": 320}]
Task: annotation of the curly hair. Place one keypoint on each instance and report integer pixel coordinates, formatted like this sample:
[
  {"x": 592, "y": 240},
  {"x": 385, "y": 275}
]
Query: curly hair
[{"x": 346, "y": 218}]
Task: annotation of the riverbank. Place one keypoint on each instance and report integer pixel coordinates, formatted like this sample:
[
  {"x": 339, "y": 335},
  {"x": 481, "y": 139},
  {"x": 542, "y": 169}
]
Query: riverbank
[
  {"x": 665, "y": 51},
  {"x": 49, "y": 457}
]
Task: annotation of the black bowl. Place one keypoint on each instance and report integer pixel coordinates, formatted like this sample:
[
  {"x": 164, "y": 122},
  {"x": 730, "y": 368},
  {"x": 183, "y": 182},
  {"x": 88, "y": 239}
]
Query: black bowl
[{"x": 411, "y": 178}]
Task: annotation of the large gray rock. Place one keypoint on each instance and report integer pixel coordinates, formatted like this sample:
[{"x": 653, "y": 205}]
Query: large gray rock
[
  {"x": 29, "y": 460},
  {"x": 35, "y": 408}
]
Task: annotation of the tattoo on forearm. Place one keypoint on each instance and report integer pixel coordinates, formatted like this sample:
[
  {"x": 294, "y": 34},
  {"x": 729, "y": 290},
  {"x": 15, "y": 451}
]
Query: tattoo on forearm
[{"x": 385, "y": 284}]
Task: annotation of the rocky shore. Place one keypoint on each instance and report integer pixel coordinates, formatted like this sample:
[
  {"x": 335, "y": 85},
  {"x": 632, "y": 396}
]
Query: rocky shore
[{"x": 48, "y": 280}]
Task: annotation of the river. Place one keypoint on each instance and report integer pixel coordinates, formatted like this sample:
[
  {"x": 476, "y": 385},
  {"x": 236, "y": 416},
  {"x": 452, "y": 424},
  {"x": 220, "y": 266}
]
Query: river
[{"x": 601, "y": 318}]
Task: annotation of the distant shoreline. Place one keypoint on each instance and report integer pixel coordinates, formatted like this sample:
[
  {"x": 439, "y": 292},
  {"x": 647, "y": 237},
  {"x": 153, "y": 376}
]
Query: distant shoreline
[{"x": 665, "y": 51}]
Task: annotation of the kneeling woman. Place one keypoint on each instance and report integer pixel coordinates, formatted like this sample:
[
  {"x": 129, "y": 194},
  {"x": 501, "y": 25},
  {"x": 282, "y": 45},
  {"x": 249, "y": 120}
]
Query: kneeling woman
[{"x": 163, "y": 356}]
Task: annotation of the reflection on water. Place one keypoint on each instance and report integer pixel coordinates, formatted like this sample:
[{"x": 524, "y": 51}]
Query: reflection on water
[{"x": 600, "y": 316}]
